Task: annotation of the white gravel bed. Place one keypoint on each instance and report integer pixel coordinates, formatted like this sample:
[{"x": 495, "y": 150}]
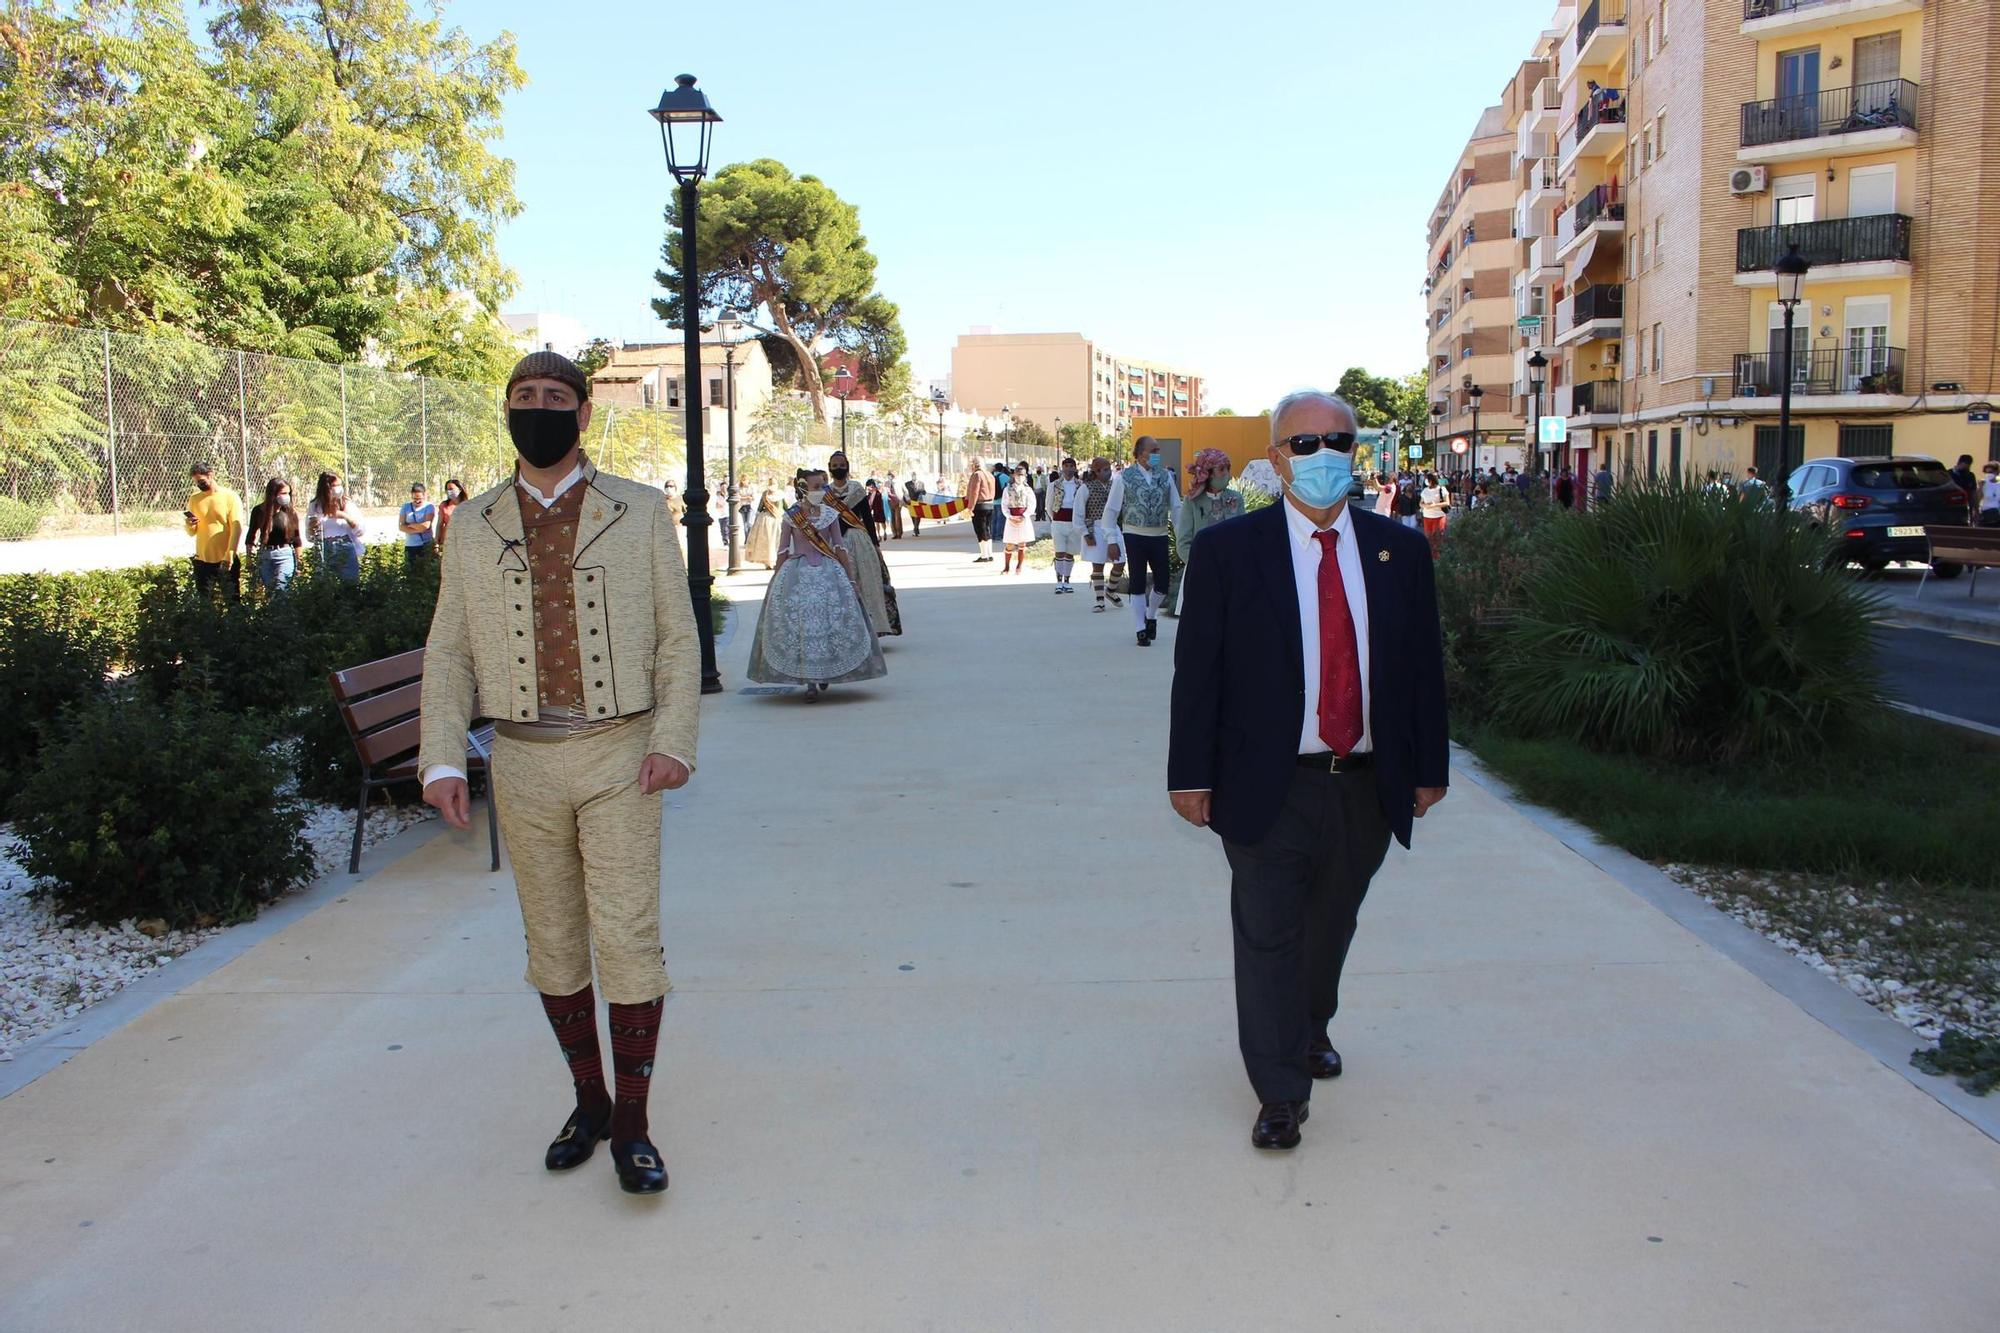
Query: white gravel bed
[
  {"x": 51, "y": 971},
  {"x": 1863, "y": 940}
]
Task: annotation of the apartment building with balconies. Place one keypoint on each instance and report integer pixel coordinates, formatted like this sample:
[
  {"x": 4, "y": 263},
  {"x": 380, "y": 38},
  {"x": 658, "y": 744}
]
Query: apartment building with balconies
[
  {"x": 1472, "y": 253},
  {"x": 1699, "y": 141},
  {"x": 1053, "y": 378}
]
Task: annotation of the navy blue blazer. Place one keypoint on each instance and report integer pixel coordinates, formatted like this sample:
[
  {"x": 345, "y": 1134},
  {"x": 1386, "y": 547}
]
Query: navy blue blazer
[{"x": 1239, "y": 671}]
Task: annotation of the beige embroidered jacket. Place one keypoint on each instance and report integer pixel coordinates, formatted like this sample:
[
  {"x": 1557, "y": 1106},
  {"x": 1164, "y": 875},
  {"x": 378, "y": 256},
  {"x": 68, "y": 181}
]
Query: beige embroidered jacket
[{"x": 634, "y": 621}]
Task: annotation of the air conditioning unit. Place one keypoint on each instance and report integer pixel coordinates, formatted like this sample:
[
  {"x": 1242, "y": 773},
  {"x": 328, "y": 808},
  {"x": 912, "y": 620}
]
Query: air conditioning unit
[{"x": 1749, "y": 180}]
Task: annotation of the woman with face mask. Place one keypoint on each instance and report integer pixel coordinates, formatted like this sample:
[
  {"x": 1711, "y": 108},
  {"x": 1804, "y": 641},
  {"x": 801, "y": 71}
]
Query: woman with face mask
[
  {"x": 335, "y": 528},
  {"x": 1209, "y": 501},
  {"x": 813, "y": 630},
  {"x": 765, "y": 529},
  {"x": 272, "y": 538},
  {"x": 1017, "y": 503},
  {"x": 454, "y": 495}
]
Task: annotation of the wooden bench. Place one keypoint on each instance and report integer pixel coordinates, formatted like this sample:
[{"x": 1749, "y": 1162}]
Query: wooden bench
[
  {"x": 379, "y": 702},
  {"x": 1975, "y": 548}
]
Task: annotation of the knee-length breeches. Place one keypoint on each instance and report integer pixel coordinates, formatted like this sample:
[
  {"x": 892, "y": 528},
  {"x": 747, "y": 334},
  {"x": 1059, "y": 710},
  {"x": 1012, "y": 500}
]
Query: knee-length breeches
[{"x": 585, "y": 843}]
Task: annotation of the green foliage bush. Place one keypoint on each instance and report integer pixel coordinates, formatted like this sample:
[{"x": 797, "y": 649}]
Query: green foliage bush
[
  {"x": 19, "y": 521},
  {"x": 143, "y": 810},
  {"x": 1670, "y": 623},
  {"x": 60, "y": 635},
  {"x": 1482, "y": 574}
]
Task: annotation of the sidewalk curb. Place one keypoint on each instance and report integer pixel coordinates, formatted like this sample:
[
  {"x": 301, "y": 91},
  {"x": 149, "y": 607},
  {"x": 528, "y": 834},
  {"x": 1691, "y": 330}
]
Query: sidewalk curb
[
  {"x": 1951, "y": 622},
  {"x": 62, "y": 1043},
  {"x": 1820, "y": 997}
]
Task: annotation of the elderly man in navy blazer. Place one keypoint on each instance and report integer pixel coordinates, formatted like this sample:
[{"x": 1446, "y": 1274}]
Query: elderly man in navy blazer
[{"x": 1308, "y": 729}]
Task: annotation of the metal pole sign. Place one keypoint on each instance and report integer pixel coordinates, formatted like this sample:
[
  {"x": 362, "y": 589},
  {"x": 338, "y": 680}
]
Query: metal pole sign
[
  {"x": 1459, "y": 445},
  {"x": 1553, "y": 430},
  {"x": 1528, "y": 323}
]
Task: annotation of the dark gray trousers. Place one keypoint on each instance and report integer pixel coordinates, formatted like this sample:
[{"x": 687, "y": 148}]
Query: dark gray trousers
[{"x": 1294, "y": 899}]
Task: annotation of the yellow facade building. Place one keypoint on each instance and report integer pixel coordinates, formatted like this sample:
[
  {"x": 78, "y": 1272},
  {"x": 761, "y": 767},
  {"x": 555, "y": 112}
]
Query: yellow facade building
[{"x": 1693, "y": 143}]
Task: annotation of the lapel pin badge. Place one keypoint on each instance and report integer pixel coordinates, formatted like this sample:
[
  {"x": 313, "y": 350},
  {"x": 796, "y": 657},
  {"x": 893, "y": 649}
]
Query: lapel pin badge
[
  {"x": 596, "y": 514},
  {"x": 1382, "y": 556}
]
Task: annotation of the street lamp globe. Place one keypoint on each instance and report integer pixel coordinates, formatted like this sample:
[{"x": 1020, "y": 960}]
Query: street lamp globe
[
  {"x": 1791, "y": 271},
  {"x": 1536, "y": 365},
  {"x": 687, "y": 124},
  {"x": 843, "y": 382}
]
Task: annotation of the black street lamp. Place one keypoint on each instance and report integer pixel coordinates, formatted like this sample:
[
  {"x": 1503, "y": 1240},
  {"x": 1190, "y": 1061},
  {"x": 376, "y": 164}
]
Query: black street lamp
[
  {"x": 938, "y": 400},
  {"x": 1536, "y": 365},
  {"x": 1437, "y": 424},
  {"x": 843, "y": 385},
  {"x": 1791, "y": 273},
  {"x": 725, "y": 328},
  {"x": 687, "y": 124},
  {"x": 1475, "y": 393}
]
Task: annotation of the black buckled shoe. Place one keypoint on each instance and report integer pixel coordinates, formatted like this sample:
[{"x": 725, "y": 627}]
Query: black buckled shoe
[
  {"x": 640, "y": 1170},
  {"x": 1152, "y": 629},
  {"x": 1144, "y": 642},
  {"x": 578, "y": 1140},
  {"x": 1322, "y": 1061},
  {"x": 1278, "y": 1124}
]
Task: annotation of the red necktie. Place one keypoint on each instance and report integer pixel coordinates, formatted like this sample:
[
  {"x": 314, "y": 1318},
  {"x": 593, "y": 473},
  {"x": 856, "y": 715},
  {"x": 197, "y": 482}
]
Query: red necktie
[{"x": 1339, "y": 658}]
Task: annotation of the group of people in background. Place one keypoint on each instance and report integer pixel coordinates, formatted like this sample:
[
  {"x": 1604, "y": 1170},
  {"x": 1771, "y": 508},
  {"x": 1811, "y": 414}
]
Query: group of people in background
[{"x": 272, "y": 534}]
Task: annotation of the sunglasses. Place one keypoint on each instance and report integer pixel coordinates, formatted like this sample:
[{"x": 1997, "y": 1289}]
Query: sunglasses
[{"x": 1303, "y": 446}]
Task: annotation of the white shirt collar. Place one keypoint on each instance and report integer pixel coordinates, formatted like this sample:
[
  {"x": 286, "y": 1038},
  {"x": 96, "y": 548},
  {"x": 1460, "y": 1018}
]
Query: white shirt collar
[
  {"x": 1302, "y": 528},
  {"x": 571, "y": 478}
]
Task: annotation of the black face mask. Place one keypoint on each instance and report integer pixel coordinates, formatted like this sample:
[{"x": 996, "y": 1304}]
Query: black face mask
[
  {"x": 840, "y": 474},
  {"x": 542, "y": 435},
  {"x": 204, "y": 483}
]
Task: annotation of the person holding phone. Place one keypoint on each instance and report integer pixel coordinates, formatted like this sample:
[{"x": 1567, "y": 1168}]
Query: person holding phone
[
  {"x": 273, "y": 538},
  {"x": 335, "y": 528},
  {"x": 214, "y": 518}
]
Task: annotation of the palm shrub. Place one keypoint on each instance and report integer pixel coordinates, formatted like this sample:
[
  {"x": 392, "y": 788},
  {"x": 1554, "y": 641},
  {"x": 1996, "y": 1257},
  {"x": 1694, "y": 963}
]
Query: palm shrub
[
  {"x": 1671, "y": 623},
  {"x": 139, "y": 809},
  {"x": 1482, "y": 574}
]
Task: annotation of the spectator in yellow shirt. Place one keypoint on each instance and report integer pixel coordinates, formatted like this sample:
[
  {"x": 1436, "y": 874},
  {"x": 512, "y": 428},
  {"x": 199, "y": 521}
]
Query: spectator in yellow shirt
[{"x": 214, "y": 518}]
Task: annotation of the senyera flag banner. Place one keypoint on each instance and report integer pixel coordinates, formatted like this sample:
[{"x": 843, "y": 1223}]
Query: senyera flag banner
[{"x": 938, "y": 510}]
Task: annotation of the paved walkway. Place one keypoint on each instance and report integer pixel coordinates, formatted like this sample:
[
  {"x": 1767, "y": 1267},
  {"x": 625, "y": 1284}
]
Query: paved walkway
[{"x": 952, "y": 1047}]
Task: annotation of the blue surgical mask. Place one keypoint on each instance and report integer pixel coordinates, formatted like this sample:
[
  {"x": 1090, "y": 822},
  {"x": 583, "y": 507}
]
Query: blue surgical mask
[
  {"x": 1321, "y": 479},
  {"x": 1155, "y": 462}
]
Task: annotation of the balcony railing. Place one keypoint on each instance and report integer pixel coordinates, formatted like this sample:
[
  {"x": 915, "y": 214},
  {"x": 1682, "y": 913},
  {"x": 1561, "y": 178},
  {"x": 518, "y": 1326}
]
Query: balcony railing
[
  {"x": 1823, "y": 370},
  {"x": 1595, "y": 14},
  {"x": 1890, "y": 104},
  {"x": 1603, "y": 300},
  {"x": 1596, "y": 398},
  {"x": 1602, "y": 204},
  {"x": 1883, "y": 236},
  {"x": 1764, "y": 9},
  {"x": 1606, "y": 106}
]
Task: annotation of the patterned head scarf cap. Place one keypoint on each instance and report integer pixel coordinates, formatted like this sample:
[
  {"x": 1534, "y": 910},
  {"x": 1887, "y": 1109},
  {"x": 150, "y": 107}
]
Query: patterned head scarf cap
[{"x": 1206, "y": 463}]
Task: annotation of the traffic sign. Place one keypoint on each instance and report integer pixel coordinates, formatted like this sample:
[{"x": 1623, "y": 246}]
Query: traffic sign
[
  {"x": 1459, "y": 445},
  {"x": 1416, "y": 451},
  {"x": 1554, "y": 430},
  {"x": 1528, "y": 322},
  {"x": 1978, "y": 415}
]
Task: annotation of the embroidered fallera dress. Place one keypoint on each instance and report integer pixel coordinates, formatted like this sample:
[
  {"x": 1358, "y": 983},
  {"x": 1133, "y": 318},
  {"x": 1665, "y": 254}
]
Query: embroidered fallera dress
[
  {"x": 762, "y": 548},
  {"x": 813, "y": 630},
  {"x": 877, "y": 596}
]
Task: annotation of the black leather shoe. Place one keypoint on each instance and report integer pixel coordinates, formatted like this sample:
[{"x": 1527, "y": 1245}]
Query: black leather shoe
[
  {"x": 1152, "y": 629},
  {"x": 578, "y": 1140},
  {"x": 1322, "y": 1061},
  {"x": 1144, "y": 642},
  {"x": 1278, "y": 1124},
  {"x": 640, "y": 1170}
]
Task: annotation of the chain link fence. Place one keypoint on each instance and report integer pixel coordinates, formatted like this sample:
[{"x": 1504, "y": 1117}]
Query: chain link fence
[{"x": 98, "y": 430}]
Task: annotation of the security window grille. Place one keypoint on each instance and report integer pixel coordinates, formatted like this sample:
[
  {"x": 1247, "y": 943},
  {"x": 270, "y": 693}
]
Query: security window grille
[
  {"x": 1652, "y": 454},
  {"x": 1674, "y": 452},
  {"x": 715, "y": 393},
  {"x": 1867, "y": 441},
  {"x": 1769, "y": 465}
]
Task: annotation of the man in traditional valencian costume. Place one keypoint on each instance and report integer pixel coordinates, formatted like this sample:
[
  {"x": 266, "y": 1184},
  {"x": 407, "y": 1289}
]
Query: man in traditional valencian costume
[{"x": 596, "y": 716}]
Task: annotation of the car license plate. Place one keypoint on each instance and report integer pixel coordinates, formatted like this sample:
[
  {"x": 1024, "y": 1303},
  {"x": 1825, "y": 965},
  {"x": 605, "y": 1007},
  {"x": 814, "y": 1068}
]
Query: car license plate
[{"x": 1906, "y": 532}]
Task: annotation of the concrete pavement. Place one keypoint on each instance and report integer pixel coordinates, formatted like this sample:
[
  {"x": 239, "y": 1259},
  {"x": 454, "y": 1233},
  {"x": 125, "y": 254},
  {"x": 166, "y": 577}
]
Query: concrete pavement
[{"x": 952, "y": 1047}]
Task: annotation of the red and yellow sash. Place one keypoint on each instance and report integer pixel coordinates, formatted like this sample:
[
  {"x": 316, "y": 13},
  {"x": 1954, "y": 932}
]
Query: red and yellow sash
[{"x": 813, "y": 534}]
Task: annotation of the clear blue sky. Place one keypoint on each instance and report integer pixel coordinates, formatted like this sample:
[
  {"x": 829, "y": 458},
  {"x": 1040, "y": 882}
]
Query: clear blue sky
[{"x": 1240, "y": 188}]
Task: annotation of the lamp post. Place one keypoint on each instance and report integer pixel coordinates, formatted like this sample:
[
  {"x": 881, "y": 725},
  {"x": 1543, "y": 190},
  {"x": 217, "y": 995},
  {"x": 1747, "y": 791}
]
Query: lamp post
[
  {"x": 1536, "y": 365},
  {"x": 843, "y": 385},
  {"x": 1059, "y": 446},
  {"x": 1438, "y": 410},
  {"x": 938, "y": 400},
  {"x": 1475, "y": 393},
  {"x": 687, "y": 124},
  {"x": 1791, "y": 273},
  {"x": 725, "y": 328}
]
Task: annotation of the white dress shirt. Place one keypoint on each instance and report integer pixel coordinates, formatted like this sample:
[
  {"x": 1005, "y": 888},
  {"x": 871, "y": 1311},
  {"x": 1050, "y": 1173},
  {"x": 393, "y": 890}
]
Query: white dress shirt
[
  {"x": 570, "y": 478},
  {"x": 1306, "y": 553}
]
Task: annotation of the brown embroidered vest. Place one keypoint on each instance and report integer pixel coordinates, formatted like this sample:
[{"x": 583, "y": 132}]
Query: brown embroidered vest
[{"x": 550, "y": 535}]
